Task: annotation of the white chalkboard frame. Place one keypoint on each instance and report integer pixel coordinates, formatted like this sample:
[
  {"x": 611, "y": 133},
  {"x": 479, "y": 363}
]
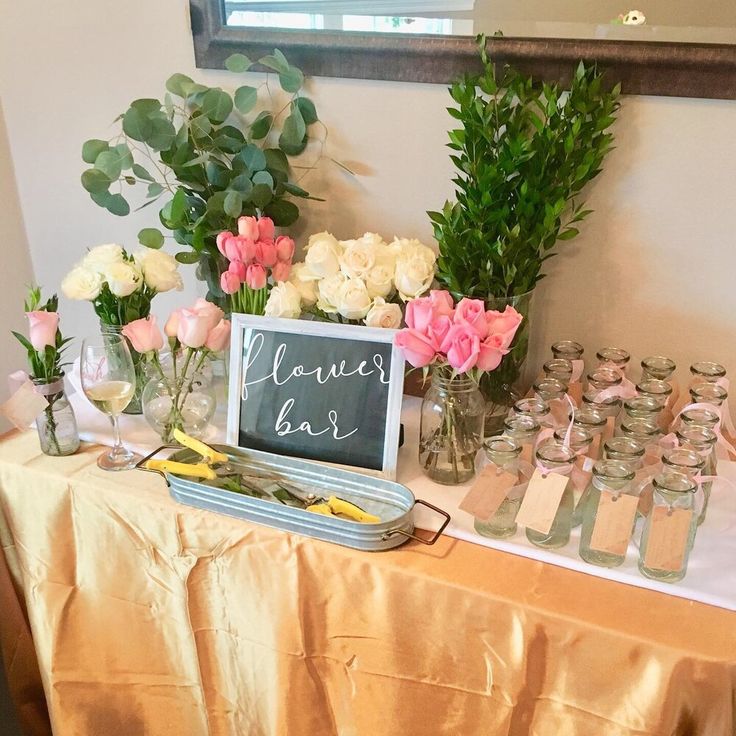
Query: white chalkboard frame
[{"x": 242, "y": 322}]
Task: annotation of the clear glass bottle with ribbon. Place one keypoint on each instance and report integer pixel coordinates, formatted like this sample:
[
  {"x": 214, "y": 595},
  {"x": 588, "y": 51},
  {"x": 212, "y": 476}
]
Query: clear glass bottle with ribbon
[
  {"x": 615, "y": 357},
  {"x": 655, "y": 389},
  {"x": 503, "y": 453},
  {"x": 705, "y": 371},
  {"x": 56, "y": 424},
  {"x": 535, "y": 408},
  {"x": 568, "y": 350},
  {"x": 642, "y": 407},
  {"x": 560, "y": 369},
  {"x": 524, "y": 430},
  {"x": 643, "y": 431},
  {"x": 708, "y": 393},
  {"x": 609, "y": 514},
  {"x": 624, "y": 450},
  {"x": 578, "y": 438},
  {"x": 703, "y": 441},
  {"x": 591, "y": 419},
  {"x": 601, "y": 391},
  {"x": 699, "y": 417},
  {"x": 669, "y": 529},
  {"x": 549, "y": 389},
  {"x": 658, "y": 367}
]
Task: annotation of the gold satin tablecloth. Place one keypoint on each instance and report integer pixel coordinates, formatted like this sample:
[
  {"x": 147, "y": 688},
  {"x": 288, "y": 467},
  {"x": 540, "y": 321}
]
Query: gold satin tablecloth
[{"x": 153, "y": 618}]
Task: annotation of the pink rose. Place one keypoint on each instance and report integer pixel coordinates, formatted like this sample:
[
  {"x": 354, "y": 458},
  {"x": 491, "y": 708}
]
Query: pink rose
[
  {"x": 438, "y": 328},
  {"x": 172, "y": 324},
  {"x": 442, "y": 302},
  {"x": 219, "y": 336},
  {"x": 492, "y": 351},
  {"x": 419, "y": 313},
  {"x": 504, "y": 323},
  {"x": 281, "y": 271},
  {"x": 193, "y": 328},
  {"x": 221, "y": 240},
  {"x": 144, "y": 335},
  {"x": 248, "y": 227},
  {"x": 211, "y": 311},
  {"x": 255, "y": 276},
  {"x": 462, "y": 347},
  {"x": 417, "y": 347},
  {"x": 229, "y": 282},
  {"x": 238, "y": 268},
  {"x": 285, "y": 248},
  {"x": 266, "y": 229},
  {"x": 266, "y": 253},
  {"x": 472, "y": 312},
  {"x": 42, "y": 329}
]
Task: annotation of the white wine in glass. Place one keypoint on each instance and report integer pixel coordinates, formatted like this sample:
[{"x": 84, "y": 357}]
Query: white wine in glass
[{"x": 108, "y": 381}]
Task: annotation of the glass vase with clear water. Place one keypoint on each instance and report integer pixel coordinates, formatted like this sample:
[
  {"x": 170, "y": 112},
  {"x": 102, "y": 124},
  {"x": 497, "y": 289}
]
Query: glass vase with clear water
[{"x": 56, "y": 424}]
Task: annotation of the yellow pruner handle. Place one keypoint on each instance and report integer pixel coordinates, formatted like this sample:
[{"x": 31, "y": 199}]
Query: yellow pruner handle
[
  {"x": 320, "y": 508},
  {"x": 341, "y": 506},
  {"x": 208, "y": 453},
  {"x": 199, "y": 470}
]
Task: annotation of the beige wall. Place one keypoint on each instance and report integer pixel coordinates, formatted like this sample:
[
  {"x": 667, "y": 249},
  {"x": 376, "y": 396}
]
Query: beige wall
[{"x": 652, "y": 272}]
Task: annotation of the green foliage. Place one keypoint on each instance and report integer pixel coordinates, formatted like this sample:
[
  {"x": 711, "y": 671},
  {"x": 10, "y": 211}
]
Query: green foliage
[
  {"x": 524, "y": 152},
  {"x": 210, "y": 158}
]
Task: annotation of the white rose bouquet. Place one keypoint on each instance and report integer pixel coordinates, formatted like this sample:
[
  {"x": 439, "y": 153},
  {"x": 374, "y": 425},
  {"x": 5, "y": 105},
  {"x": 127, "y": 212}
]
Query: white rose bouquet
[{"x": 361, "y": 281}]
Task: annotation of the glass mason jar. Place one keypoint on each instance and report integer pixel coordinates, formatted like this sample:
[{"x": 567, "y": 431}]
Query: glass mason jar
[
  {"x": 559, "y": 369},
  {"x": 643, "y": 431},
  {"x": 503, "y": 452},
  {"x": 609, "y": 476},
  {"x": 624, "y": 450},
  {"x": 617, "y": 357},
  {"x": 567, "y": 350},
  {"x": 580, "y": 438},
  {"x": 703, "y": 441},
  {"x": 56, "y": 424},
  {"x": 139, "y": 362},
  {"x": 524, "y": 430},
  {"x": 555, "y": 458},
  {"x": 188, "y": 404},
  {"x": 708, "y": 393},
  {"x": 451, "y": 429},
  {"x": 659, "y": 367},
  {"x": 704, "y": 371},
  {"x": 654, "y": 389},
  {"x": 549, "y": 389},
  {"x": 673, "y": 492},
  {"x": 535, "y": 408}
]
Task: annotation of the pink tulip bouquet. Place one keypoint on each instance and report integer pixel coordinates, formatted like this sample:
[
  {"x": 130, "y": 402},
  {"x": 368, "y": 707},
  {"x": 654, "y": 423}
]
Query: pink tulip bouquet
[
  {"x": 256, "y": 257},
  {"x": 196, "y": 333}
]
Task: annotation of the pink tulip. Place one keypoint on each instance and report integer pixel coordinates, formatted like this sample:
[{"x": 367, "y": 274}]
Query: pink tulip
[
  {"x": 255, "y": 276},
  {"x": 193, "y": 328},
  {"x": 504, "y": 323},
  {"x": 42, "y": 329},
  {"x": 248, "y": 227},
  {"x": 472, "y": 312},
  {"x": 419, "y": 313},
  {"x": 219, "y": 337},
  {"x": 232, "y": 248},
  {"x": 238, "y": 268},
  {"x": 172, "y": 324},
  {"x": 144, "y": 335},
  {"x": 211, "y": 311},
  {"x": 417, "y": 347},
  {"x": 285, "y": 248},
  {"x": 266, "y": 229},
  {"x": 491, "y": 353},
  {"x": 229, "y": 282},
  {"x": 266, "y": 253},
  {"x": 281, "y": 271},
  {"x": 462, "y": 346},
  {"x": 248, "y": 253},
  {"x": 442, "y": 302},
  {"x": 221, "y": 239}
]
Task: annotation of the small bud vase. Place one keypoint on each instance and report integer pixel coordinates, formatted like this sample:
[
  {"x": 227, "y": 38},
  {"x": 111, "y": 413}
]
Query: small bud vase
[{"x": 56, "y": 424}]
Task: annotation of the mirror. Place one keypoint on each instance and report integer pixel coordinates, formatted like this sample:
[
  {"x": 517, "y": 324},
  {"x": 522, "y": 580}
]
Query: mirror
[{"x": 665, "y": 47}]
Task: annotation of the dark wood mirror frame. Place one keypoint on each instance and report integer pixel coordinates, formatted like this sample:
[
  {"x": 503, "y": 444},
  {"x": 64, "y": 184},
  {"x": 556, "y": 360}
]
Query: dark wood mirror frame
[{"x": 642, "y": 67}]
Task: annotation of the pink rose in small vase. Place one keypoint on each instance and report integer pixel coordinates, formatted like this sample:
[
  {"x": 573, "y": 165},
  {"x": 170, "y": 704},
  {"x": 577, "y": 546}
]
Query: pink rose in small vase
[{"x": 42, "y": 329}]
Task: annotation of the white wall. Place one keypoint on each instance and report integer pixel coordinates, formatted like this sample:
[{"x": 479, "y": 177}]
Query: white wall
[{"x": 652, "y": 271}]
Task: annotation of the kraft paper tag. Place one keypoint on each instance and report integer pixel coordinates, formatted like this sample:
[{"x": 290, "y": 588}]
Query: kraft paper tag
[
  {"x": 488, "y": 492},
  {"x": 23, "y": 406},
  {"x": 541, "y": 501},
  {"x": 578, "y": 368},
  {"x": 526, "y": 453},
  {"x": 614, "y": 523},
  {"x": 669, "y": 531},
  {"x": 595, "y": 447},
  {"x": 608, "y": 430},
  {"x": 575, "y": 391}
]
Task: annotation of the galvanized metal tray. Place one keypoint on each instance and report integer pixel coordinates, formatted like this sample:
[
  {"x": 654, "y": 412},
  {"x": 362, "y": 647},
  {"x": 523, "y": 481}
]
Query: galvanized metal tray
[{"x": 390, "y": 501}]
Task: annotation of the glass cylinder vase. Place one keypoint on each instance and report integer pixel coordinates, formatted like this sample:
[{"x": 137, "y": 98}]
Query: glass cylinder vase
[
  {"x": 451, "y": 429},
  {"x": 56, "y": 424},
  {"x": 139, "y": 362}
]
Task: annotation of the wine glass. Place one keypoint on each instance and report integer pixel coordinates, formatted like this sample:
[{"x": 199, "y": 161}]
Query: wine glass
[{"x": 108, "y": 381}]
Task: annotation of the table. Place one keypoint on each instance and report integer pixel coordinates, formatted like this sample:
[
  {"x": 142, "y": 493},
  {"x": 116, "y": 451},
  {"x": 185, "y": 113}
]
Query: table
[{"x": 151, "y": 617}]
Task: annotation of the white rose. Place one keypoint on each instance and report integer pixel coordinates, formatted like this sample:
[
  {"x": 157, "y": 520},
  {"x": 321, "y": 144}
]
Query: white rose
[
  {"x": 373, "y": 240},
  {"x": 353, "y": 300},
  {"x": 387, "y": 316},
  {"x": 82, "y": 283},
  {"x": 284, "y": 301},
  {"x": 101, "y": 257},
  {"x": 304, "y": 281},
  {"x": 413, "y": 276},
  {"x": 410, "y": 248},
  {"x": 123, "y": 278},
  {"x": 323, "y": 255},
  {"x": 328, "y": 290},
  {"x": 357, "y": 259},
  {"x": 380, "y": 280},
  {"x": 160, "y": 270}
]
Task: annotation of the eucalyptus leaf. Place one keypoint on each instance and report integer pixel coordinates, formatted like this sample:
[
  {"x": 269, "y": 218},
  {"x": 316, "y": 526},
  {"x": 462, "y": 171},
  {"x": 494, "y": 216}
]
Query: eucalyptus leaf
[
  {"x": 94, "y": 181},
  {"x": 136, "y": 125},
  {"x": 142, "y": 173},
  {"x": 162, "y": 134},
  {"x": 233, "y": 204},
  {"x": 178, "y": 207},
  {"x": 125, "y": 155},
  {"x": 237, "y": 63},
  {"x": 108, "y": 162},
  {"x": 282, "y": 212},
  {"x": 200, "y": 126},
  {"x": 261, "y": 125},
  {"x": 242, "y": 184},
  {"x": 217, "y": 105},
  {"x": 307, "y": 109},
  {"x": 179, "y": 84},
  {"x": 118, "y": 205},
  {"x": 187, "y": 256},
  {"x": 253, "y": 157},
  {"x": 294, "y": 128},
  {"x": 246, "y": 98},
  {"x": 276, "y": 160},
  {"x": 276, "y": 61},
  {"x": 101, "y": 198},
  {"x": 261, "y": 195},
  {"x": 92, "y": 149},
  {"x": 154, "y": 189},
  {"x": 263, "y": 177},
  {"x": 146, "y": 106},
  {"x": 151, "y": 237},
  {"x": 297, "y": 191},
  {"x": 291, "y": 80}
]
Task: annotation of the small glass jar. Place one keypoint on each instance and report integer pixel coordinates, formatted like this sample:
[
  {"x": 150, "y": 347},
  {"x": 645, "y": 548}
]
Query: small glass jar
[
  {"x": 559, "y": 369},
  {"x": 708, "y": 393},
  {"x": 703, "y": 441},
  {"x": 642, "y": 407},
  {"x": 524, "y": 430},
  {"x": 535, "y": 408},
  {"x": 594, "y": 422},
  {"x": 549, "y": 389},
  {"x": 504, "y": 452},
  {"x": 643, "y": 431},
  {"x": 625, "y": 450},
  {"x": 672, "y": 492},
  {"x": 580, "y": 438},
  {"x": 617, "y": 357},
  {"x": 699, "y": 418},
  {"x": 554, "y": 458},
  {"x": 659, "y": 367},
  {"x": 704, "y": 371},
  {"x": 612, "y": 477},
  {"x": 682, "y": 459},
  {"x": 609, "y": 407},
  {"x": 567, "y": 350},
  {"x": 600, "y": 380},
  {"x": 654, "y": 389},
  {"x": 56, "y": 424}
]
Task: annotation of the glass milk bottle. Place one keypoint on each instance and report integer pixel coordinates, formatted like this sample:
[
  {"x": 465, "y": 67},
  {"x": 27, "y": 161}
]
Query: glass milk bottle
[
  {"x": 703, "y": 441},
  {"x": 549, "y": 389},
  {"x": 659, "y": 367},
  {"x": 642, "y": 430},
  {"x": 655, "y": 389},
  {"x": 594, "y": 422},
  {"x": 535, "y": 408},
  {"x": 617, "y": 357},
  {"x": 625, "y": 450},
  {"x": 553, "y": 458},
  {"x": 705, "y": 371},
  {"x": 642, "y": 407},
  {"x": 503, "y": 452},
  {"x": 579, "y": 438},
  {"x": 683, "y": 460},
  {"x": 708, "y": 393},
  {"x": 669, "y": 529},
  {"x": 699, "y": 418},
  {"x": 524, "y": 429},
  {"x": 610, "y": 480},
  {"x": 559, "y": 369},
  {"x": 567, "y": 350}
]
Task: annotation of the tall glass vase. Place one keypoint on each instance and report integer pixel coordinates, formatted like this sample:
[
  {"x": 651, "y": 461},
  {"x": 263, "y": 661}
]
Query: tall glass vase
[
  {"x": 501, "y": 388},
  {"x": 139, "y": 361}
]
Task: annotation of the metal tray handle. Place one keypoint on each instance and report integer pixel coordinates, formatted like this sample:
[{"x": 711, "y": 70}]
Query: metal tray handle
[
  {"x": 141, "y": 464},
  {"x": 419, "y": 539}
]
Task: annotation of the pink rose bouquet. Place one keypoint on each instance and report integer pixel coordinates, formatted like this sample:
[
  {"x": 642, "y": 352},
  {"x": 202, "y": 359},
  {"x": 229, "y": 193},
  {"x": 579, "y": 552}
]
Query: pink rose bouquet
[{"x": 255, "y": 255}]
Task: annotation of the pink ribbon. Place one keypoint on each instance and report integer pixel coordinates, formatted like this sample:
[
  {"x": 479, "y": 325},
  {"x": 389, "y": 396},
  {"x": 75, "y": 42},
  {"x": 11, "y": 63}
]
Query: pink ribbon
[{"x": 722, "y": 443}]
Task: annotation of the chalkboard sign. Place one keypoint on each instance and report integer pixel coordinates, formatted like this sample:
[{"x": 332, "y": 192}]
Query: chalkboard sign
[{"x": 316, "y": 390}]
